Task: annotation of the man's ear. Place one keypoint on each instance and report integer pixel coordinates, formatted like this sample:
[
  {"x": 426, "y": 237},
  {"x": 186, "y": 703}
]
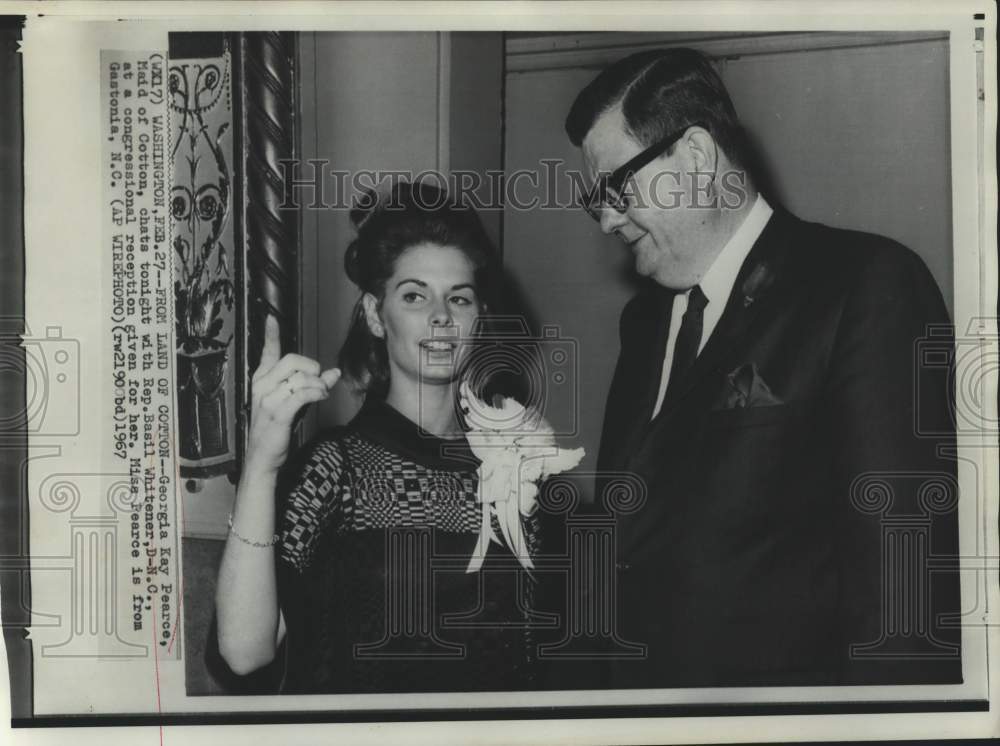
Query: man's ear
[
  {"x": 370, "y": 304},
  {"x": 703, "y": 149}
]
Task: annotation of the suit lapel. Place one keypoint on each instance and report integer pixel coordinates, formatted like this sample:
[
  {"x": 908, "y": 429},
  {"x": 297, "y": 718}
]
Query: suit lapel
[
  {"x": 656, "y": 349},
  {"x": 637, "y": 381},
  {"x": 757, "y": 281},
  {"x": 650, "y": 454}
]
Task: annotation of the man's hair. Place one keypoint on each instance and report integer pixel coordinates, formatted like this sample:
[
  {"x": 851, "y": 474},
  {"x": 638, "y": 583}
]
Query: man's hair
[{"x": 661, "y": 91}]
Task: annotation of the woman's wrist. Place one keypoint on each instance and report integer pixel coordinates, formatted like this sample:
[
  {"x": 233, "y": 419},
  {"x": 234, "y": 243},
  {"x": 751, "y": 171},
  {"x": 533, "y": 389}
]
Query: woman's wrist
[
  {"x": 260, "y": 544},
  {"x": 260, "y": 475},
  {"x": 257, "y": 468}
]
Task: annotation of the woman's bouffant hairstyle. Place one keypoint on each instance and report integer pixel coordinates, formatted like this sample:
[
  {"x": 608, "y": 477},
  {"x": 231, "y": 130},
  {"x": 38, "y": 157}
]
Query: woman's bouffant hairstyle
[{"x": 387, "y": 225}]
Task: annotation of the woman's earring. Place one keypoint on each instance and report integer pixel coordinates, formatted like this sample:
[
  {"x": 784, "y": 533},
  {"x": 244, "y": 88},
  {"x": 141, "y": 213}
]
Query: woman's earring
[{"x": 378, "y": 330}]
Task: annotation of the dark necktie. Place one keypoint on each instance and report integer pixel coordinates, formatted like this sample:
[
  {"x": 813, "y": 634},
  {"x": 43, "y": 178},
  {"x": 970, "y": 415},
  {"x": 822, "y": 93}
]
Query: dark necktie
[{"x": 689, "y": 336}]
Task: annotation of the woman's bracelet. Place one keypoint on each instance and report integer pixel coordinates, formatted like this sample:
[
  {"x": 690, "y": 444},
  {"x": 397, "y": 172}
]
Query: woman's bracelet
[{"x": 258, "y": 544}]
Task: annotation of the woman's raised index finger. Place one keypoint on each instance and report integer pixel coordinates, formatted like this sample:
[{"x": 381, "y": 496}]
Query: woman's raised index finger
[{"x": 271, "y": 352}]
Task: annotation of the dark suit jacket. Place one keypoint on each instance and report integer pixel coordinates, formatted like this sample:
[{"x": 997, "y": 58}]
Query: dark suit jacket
[{"x": 775, "y": 536}]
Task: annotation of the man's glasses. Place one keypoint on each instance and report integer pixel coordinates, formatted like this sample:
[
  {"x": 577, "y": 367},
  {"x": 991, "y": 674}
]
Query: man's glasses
[{"x": 608, "y": 190}]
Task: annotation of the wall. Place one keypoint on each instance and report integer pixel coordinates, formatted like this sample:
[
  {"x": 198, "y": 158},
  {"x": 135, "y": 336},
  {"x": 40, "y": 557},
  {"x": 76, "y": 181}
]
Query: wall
[
  {"x": 374, "y": 100},
  {"x": 855, "y": 136},
  {"x": 858, "y": 138},
  {"x": 475, "y": 118},
  {"x": 393, "y": 101}
]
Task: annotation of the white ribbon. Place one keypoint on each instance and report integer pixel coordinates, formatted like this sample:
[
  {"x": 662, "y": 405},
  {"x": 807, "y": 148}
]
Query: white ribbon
[{"x": 516, "y": 448}]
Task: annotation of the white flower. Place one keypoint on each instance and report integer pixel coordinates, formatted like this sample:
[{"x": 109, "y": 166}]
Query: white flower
[{"x": 517, "y": 449}]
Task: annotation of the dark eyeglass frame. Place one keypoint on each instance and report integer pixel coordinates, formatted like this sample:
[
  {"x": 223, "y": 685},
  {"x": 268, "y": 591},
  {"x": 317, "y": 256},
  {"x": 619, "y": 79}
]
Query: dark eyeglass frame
[{"x": 607, "y": 190}]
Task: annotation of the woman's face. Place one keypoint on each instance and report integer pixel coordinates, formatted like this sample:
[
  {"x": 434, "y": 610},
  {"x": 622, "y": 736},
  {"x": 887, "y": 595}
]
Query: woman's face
[{"x": 430, "y": 306}]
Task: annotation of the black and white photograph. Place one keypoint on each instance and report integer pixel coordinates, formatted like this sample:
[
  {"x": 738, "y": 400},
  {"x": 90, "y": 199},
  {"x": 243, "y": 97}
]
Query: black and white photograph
[
  {"x": 749, "y": 457},
  {"x": 508, "y": 372}
]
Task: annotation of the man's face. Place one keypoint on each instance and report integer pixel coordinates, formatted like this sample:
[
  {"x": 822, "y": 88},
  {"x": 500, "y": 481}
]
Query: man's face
[{"x": 659, "y": 226}]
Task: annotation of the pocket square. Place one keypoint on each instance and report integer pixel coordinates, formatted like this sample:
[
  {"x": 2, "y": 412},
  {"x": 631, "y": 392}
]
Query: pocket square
[{"x": 745, "y": 388}]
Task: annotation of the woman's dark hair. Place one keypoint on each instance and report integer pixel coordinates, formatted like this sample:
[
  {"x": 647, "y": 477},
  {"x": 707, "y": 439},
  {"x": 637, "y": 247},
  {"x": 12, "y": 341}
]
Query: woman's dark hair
[
  {"x": 661, "y": 91},
  {"x": 387, "y": 225}
]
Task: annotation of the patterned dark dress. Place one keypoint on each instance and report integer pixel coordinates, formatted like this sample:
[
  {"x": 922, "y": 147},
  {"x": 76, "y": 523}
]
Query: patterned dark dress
[{"x": 379, "y": 521}]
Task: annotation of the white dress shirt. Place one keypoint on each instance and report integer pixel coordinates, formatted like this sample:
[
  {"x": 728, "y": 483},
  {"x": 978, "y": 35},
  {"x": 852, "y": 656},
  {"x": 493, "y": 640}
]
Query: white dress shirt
[{"x": 717, "y": 285}]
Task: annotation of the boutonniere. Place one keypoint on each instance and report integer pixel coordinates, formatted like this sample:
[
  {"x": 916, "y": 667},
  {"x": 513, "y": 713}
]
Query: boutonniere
[
  {"x": 757, "y": 282},
  {"x": 517, "y": 450}
]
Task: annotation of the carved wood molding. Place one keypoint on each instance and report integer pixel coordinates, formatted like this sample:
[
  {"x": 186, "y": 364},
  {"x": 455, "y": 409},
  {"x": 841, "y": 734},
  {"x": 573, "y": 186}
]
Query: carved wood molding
[
  {"x": 265, "y": 85},
  {"x": 269, "y": 103}
]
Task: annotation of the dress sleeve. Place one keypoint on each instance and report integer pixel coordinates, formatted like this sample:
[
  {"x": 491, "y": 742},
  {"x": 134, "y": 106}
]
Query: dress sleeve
[{"x": 311, "y": 486}]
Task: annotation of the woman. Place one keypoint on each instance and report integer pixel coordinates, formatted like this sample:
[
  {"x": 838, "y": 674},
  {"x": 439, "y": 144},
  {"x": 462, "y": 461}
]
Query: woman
[{"x": 362, "y": 577}]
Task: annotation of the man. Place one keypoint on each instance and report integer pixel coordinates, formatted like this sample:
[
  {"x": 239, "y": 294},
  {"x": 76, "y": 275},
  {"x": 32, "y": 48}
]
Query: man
[{"x": 767, "y": 393}]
